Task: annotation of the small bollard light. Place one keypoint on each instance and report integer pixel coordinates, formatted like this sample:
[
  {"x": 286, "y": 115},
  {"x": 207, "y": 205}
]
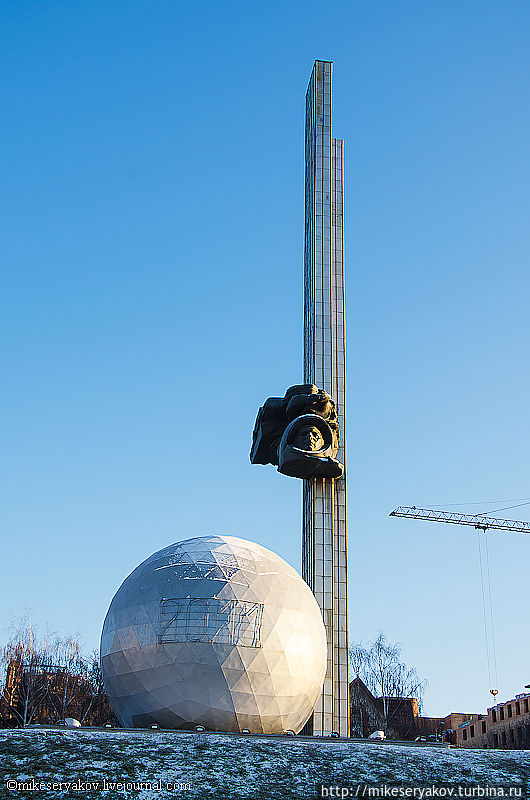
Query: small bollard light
[
  {"x": 289, "y": 733},
  {"x": 200, "y": 741},
  {"x": 155, "y": 727},
  {"x": 245, "y": 730}
]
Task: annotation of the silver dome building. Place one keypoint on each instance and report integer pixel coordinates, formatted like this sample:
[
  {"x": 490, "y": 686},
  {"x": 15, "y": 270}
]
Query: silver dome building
[{"x": 214, "y": 631}]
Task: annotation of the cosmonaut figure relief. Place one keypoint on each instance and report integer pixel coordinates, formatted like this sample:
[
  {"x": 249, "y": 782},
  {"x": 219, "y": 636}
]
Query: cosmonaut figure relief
[{"x": 298, "y": 433}]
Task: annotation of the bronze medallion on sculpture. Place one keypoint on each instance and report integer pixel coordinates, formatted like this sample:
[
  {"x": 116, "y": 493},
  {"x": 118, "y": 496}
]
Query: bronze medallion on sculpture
[{"x": 298, "y": 433}]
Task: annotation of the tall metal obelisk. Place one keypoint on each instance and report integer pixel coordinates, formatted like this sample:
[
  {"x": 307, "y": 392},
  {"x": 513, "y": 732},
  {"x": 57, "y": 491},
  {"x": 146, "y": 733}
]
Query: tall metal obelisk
[{"x": 324, "y": 542}]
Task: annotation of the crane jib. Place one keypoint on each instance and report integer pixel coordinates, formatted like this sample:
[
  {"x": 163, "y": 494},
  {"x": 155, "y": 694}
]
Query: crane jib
[{"x": 479, "y": 521}]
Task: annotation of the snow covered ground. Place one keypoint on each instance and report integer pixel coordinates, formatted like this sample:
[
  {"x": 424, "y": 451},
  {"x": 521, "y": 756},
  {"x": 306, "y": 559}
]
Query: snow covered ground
[{"x": 216, "y": 766}]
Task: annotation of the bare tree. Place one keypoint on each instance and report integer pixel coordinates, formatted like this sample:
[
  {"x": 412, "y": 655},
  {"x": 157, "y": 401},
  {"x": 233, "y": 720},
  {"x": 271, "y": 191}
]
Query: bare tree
[
  {"x": 48, "y": 679},
  {"x": 68, "y": 675},
  {"x": 94, "y": 693},
  {"x": 24, "y": 661},
  {"x": 378, "y": 664},
  {"x": 97, "y": 709}
]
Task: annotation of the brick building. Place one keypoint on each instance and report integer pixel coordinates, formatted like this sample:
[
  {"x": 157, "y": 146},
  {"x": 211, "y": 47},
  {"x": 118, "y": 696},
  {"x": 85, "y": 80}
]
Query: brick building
[
  {"x": 367, "y": 714},
  {"x": 42, "y": 693},
  {"x": 505, "y": 726},
  {"x": 451, "y": 724}
]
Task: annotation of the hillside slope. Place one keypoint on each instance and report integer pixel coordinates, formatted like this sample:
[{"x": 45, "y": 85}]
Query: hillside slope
[{"x": 217, "y": 766}]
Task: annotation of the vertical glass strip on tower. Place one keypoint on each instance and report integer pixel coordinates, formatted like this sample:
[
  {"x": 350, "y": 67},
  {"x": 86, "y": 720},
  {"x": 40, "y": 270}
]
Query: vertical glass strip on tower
[{"x": 324, "y": 542}]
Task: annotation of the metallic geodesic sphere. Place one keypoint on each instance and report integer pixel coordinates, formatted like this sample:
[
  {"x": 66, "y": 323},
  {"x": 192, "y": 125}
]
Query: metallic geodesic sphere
[{"x": 214, "y": 631}]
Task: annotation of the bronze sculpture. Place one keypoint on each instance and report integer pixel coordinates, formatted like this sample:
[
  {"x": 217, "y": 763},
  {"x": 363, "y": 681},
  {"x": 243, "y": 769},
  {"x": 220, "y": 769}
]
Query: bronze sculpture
[{"x": 299, "y": 433}]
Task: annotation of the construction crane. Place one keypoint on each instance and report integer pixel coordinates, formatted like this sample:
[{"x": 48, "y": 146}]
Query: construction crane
[
  {"x": 482, "y": 523},
  {"x": 479, "y": 521}
]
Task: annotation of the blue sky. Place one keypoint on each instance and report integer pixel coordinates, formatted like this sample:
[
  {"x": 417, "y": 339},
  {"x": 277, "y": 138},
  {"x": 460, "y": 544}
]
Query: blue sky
[{"x": 152, "y": 244}]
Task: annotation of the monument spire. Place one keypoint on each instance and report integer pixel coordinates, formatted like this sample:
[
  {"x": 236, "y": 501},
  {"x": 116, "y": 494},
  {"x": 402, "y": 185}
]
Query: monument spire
[
  {"x": 324, "y": 541},
  {"x": 304, "y": 432}
]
